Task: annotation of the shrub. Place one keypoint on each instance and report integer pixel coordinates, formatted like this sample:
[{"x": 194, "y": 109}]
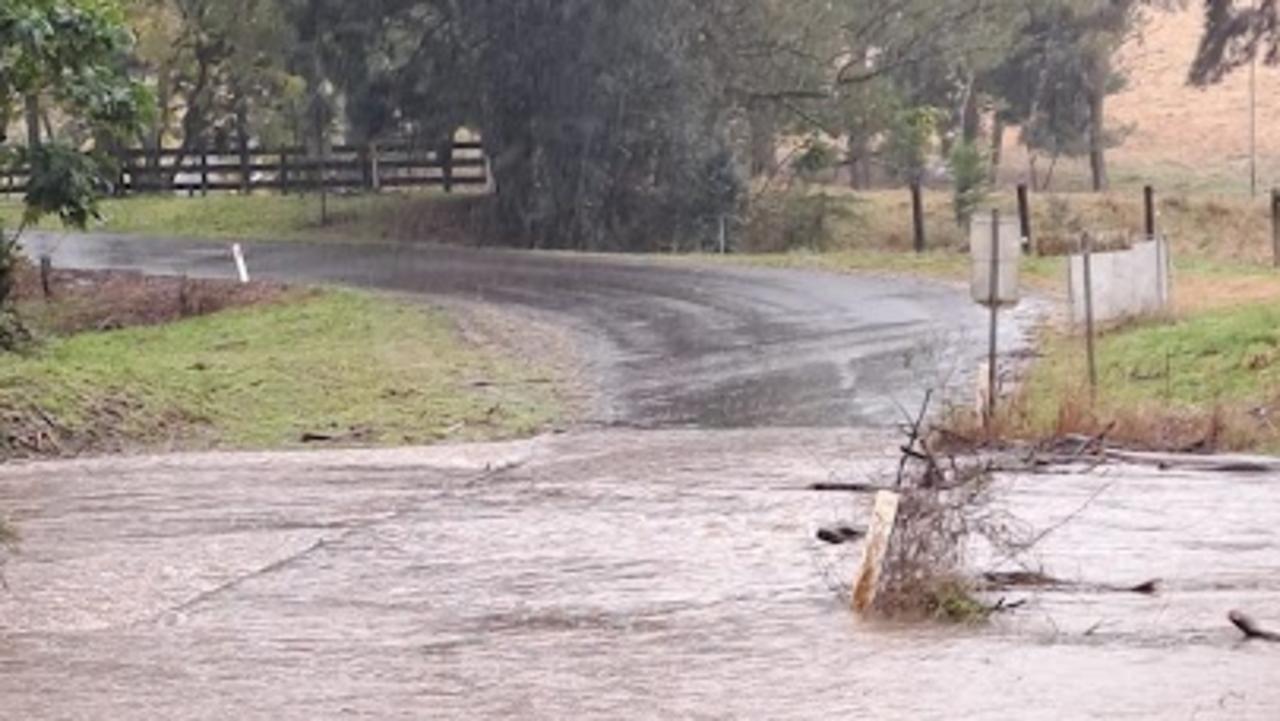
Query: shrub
[
  {"x": 792, "y": 219},
  {"x": 971, "y": 180}
]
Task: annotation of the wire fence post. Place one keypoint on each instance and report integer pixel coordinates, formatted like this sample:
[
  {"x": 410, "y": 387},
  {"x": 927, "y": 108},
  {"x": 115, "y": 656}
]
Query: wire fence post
[
  {"x": 1090, "y": 349},
  {"x": 1275, "y": 226},
  {"x": 917, "y": 215},
  {"x": 1024, "y": 218},
  {"x": 1149, "y": 206}
]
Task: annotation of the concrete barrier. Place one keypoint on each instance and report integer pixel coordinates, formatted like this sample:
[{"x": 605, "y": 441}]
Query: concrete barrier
[{"x": 1126, "y": 284}]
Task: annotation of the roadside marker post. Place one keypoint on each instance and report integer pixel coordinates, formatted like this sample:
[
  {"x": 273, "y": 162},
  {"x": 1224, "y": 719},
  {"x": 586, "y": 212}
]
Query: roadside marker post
[{"x": 242, "y": 269}]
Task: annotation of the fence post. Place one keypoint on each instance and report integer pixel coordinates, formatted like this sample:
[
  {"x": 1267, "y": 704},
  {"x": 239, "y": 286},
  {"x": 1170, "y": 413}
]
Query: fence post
[
  {"x": 375, "y": 168},
  {"x": 1275, "y": 225},
  {"x": 204, "y": 171},
  {"x": 444, "y": 154},
  {"x": 366, "y": 167},
  {"x": 1090, "y": 349},
  {"x": 1024, "y": 218},
  {"x": 245, "y": 175},
  {"x": 917, "y": 215},
  {"x": 324, "y": 182},
  {"x": 46, "y": 276},
  {"x": 1149, "y": 204},
  {"x": 284, "y": 172},
  {"x": 127, "y": 170}
]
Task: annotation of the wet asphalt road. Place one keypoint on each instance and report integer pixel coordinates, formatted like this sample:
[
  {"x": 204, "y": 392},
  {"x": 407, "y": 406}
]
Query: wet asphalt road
[{"x": 671, "y": 344}]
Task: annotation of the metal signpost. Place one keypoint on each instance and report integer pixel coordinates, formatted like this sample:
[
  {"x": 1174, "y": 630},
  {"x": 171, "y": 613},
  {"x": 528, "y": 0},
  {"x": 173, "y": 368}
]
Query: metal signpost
[{"x": 996, "y": 252}]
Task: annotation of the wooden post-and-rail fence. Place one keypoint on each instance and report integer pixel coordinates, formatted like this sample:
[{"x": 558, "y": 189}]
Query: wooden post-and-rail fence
[{"x": 291, "y": 169}]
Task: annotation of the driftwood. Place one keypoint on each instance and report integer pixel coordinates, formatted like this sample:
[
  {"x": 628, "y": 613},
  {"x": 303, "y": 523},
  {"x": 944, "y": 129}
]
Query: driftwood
[
  {"x": 1007, "y": 580},
  {"x": 1251, "y": 630},
  {"x": 840, "y": 535},
  {"x": 847, "y": 488},
  {"x": 1204, "y": 464}
]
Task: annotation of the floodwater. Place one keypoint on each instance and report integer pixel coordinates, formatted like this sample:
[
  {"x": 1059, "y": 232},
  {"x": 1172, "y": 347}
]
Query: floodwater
[{"x": 603, "y": 575}]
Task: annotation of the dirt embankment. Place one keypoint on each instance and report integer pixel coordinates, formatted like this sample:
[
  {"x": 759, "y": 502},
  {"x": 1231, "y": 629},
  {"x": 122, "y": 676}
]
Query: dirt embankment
[{"x": 80, "y": 301}]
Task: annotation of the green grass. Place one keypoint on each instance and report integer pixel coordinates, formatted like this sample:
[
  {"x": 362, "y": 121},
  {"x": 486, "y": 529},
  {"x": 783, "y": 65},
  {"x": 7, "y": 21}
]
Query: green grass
[
  {"x": 254, "y": 217},
  {"x": 261, "y": 377},
  {"x": 1225, "y": 356},
  {"x": 1164, "y": 384},
  {"x": 1041, "y": 274}
]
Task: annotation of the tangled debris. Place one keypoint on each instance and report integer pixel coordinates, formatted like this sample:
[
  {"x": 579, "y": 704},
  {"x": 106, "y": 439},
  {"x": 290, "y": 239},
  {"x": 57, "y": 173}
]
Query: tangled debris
[{"x": 944, "y": 511}]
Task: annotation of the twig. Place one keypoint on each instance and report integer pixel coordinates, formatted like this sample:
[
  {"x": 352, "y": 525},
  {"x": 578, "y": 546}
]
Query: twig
[{"x": 1023, "y": 547}]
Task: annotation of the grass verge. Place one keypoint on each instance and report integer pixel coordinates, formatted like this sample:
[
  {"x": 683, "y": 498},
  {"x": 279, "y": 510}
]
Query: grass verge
[
  {"x": 340, "y": 365},
  {"x": 1210, "y": 382}
]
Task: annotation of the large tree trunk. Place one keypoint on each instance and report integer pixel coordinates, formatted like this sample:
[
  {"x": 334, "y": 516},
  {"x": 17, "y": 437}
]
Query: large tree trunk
[
  {"x": 153, "y": 138},
  {"x": 195, "y": 121},
  {"x": 1097, "y": 141},
  {"x": 970, "y": 115},
  {"x": 242, "y": 139},
  {"x": 1097, "y": 123},
  {"x": 856, "y": 152},
  {"x": 764, "y": 143},
  {"x": 33, "y": 120},
  {"x": 997, "y": 146}
]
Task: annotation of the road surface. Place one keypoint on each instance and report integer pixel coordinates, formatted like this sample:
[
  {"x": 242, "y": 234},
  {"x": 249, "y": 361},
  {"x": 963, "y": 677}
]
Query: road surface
[{"x": 670, "y": 344}]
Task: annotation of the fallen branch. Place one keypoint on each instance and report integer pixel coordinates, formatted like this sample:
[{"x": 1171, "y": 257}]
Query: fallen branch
[
  {"x": 846, "y": 488},
  {"x": 1204, "y": 464},
  {"x": 1251, "y": 630}
]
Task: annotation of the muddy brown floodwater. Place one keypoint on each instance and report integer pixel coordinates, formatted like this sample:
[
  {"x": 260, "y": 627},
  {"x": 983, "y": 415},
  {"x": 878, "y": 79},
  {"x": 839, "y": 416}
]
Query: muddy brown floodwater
[{"x": 663, "y": 574}]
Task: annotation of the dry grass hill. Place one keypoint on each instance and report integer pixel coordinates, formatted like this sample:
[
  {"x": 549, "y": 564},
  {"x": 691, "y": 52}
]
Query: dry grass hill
[{"x": 1182, "y": 137}]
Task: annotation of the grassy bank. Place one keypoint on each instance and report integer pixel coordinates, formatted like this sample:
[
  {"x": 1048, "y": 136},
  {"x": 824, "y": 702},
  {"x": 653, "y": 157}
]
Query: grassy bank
[
  {"x": 338, "y": 366},
  {"x": 1210, "y": 381}
]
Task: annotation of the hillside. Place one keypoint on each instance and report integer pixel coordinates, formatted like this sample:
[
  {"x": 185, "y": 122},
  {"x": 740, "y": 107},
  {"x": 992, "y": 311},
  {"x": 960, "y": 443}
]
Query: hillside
[{"x": 1180, "y": 136}]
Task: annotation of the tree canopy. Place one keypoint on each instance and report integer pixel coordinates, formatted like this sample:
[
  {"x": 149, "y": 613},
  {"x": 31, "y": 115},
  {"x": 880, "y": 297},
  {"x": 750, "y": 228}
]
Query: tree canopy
[
  {"x": 609, "y": 124},
  {"x": 71, "y": 55}
]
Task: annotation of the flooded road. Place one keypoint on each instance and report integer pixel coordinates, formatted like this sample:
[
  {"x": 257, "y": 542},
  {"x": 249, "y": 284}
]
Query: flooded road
[{"x": 601, "y": 575}]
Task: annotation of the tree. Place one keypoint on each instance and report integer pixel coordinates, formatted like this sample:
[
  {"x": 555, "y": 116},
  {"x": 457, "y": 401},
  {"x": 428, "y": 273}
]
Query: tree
[
  {"x": 219, "y": 75},
  {"x": 1233, "y": 37},
  {"x": 69, "y": 54},
  {"x": 1055, "y": 80}
]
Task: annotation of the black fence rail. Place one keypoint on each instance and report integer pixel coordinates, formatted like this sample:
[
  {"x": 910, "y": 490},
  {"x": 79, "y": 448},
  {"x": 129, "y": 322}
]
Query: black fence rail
[{"x": 286, "y": 170}]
